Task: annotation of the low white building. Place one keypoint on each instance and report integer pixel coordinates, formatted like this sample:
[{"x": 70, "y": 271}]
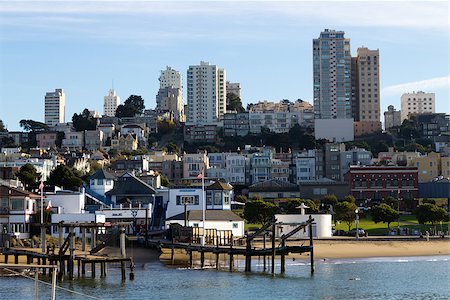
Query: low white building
[
  {"x": 66, "y": 202},
  {"x": 322, "y": 226}
]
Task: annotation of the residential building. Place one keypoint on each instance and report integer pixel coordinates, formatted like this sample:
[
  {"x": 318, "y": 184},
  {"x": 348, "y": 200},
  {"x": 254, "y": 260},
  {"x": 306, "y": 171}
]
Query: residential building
[
  {"x": 436, "y": 189},
  {"x": 280, "y": 117},
  {"x": 317, "y": 190},
  {"x": 110, "y": 103},
  {"x": 417, "y": 103},
  {"x": 55, "y": 105},
  {"x": 366, "y": 94},
  {"x": 124, "y": 143},
  {"x": 305, "y": 166},
  {"x": 135, "y": 130},
  {"x": 46, "y": 139},
  {"x": 139, "y": 165},
  {"x": 332, "y": 82},
  {"x": 206, "y": 133},
  {"x": 101, "y": 182},
  {"x": 373, "y": 183},
  {"x": 43, "y": 166},
  {"x": 234, "y": 88},
  {"x": 130, "y": 190},
  {"x": 260, "y": 167},
  {"x": 194, "y": 163},
  {"x": 94, "y": 139},
  {"x": 236, "y": 124},
  {"x": 431, "y": 126},
  {"x": 236, "y": 167},
  {"x": 392, "y": 118},
  {"x": 73, "y": 140},
  {"x": 431, "y": 166},
  {"x": 170, "y": 78},
  {"x": 170, "y": 99},
  {"x": 19, "y": 138},
  {"x": 354, "y": 157},
  {"x": 107, "y": 129},
  {"x": 78, "y": 161},
  {"x": 334, "y": 130},
  {"x": 17, "y": 208},
  {"x": 274, "y": 189},
  {"x": 206, "y": 93}
]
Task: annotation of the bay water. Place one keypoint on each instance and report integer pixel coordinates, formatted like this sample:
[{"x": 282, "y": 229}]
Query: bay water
[{"x": 425, "y": 277}]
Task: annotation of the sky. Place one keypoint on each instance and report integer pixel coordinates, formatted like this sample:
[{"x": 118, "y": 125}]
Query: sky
[{"x": 86, "y": 47}]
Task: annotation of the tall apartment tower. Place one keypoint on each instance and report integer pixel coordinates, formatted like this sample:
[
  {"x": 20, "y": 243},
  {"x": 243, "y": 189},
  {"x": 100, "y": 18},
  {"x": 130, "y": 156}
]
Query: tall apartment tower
[
  {"x": 332, "y": 82},
  {"x": 111, "y": 101},
  {"x": 55, "y": 105},
  {"x": 366, "y": 91},
  {"x": 170, "y": 78},
  {"x": 417, "y": 103},
  {"x": 206, "y": 93}
]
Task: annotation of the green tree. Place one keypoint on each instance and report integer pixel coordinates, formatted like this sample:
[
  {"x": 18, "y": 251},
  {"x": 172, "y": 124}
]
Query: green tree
[
  {"x": 430, "y": 213},
  {"x": 31, "y": 125},
  {"x": 350, "y": 199},
  {"x": 64, "y": 176},
  {"x": 234, "y": 103},
  {"x": 28, "y": 175},
  {"x": 391, "y": 201},
  {"x": 291, "y": 206},
  {"x": 124, "y": 111},
  {"x": 385, "y": 214},
  {"x": 164, "y": 180},
  {"x": 137, "y": 102},
  {"x": 330, "y": 200},
  {"x": 345, "y": 212},
  {"x": 172, "y": 147},
  {"x": 165, "y": 126},
  {"x": 259, "y": 211},
  {"x": 2, "y": 127},
  {"x": 84, "y": 121}
]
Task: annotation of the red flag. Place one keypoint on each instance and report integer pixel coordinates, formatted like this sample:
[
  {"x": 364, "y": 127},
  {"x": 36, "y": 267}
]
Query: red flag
[
  {"x": 49, "y": 205},
  {"x": 41, "y": 186}
]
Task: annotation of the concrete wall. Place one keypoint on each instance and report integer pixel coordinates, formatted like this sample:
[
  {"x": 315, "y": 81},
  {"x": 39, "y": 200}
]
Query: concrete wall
[
  {"x": 322, "y": 227},
  {"x": 338, "y": 130}
]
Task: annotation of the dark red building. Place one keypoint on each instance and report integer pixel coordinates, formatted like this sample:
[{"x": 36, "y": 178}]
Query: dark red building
[{"x": 373, "y": 183}]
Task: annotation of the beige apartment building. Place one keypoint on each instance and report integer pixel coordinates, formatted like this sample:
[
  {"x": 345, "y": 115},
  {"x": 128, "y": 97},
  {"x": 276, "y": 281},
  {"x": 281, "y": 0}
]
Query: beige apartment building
[
  {"x": 431, "y": 166},
  {"x": 417, "y": 103}
]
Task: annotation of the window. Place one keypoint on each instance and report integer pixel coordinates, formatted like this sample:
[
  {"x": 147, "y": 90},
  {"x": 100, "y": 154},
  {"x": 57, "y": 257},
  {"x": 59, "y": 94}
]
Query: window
[
  {"x": 190, "y": 200},
  {"x": 17, "y": 204},
  {"x": 235, "y": 225}
]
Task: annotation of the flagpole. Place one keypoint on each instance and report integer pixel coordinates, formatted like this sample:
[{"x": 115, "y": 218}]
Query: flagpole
[
  {"x": 204, "y": 204},
  {"x": 43, "y": 241}
]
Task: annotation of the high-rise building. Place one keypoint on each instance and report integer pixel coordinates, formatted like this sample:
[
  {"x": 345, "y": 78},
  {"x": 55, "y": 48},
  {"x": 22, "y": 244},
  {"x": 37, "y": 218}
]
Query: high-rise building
[
  {"x": 111, "y": 101},
  {"x": 170, "y": 78},
  {"x": 417, "y": 103},
  {"x": 169, "y": 99},
  {"x": 55, "y": 103},
  {"x": 332, "y": 82},
  {"x": 206, "y": 93},
  {"x": 365, "y": 91},
  {"x": 392, "y": 118}
]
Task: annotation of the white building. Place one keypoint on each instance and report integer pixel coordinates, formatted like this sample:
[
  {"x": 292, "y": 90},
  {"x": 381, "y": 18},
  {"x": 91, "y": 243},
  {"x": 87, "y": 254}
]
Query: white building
[
  {"x": 101, "y": 182},
  {"x": 73, "y": 140},
  {"x": 193, "y": 163},
  {"x": 42, "y": 165},
  {"x": 305, "y": 166},
  {"x": 334, "y": 130},
  {"x": 206, "y": 94},
  {"x": 170, "y": 78},
  {"x": 236, "y": 165},
  {"x": 321, "y": 228},
  {"x": 55, "y": 104},
  {"x": 417, "y": 103},
  {"x": 111, "y": 101}
]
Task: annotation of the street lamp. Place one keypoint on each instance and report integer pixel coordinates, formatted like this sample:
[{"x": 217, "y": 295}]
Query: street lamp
[{"x": 357, "y": 223}]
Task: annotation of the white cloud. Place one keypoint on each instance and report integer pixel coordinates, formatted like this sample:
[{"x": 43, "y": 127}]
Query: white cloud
[
  {"x": 428, "y": 85},
  {"x": 405, "y": 14}
]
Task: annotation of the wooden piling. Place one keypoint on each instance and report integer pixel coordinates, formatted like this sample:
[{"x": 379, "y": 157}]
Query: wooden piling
[
  {"x": 273, "y": 248},
  {"x": 6, "y": 258},
  {"x": 264, "y": 256},
  {"x": 83, "y": 268},
  {"x": 202, "y": 258},
  {"x": 16, "y": 259},
  {"x": 311, "y": 253},
  {"x": 283, "y": 258},
  {"x": 70, "y": 262},
  {"x": 83, "y": 238},
  {"x": 190, "y": 258},
  {"x": 248, "y": 257},
  {"x": 78, "y": 268},
  {"x": 44, "y": 262},
  {"x": 122, "y": 267},
  {"x": 93, "y": 269}
]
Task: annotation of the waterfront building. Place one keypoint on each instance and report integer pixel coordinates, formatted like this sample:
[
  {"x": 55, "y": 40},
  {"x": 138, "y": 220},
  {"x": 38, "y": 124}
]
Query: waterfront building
[
  {"x": 417, "y": 103},
  {"x": 55, "y": 105},
  {"x": 392, "y": 118},
  {"x": 110, "y": 103},
  {"x": 206, "y": 93}
]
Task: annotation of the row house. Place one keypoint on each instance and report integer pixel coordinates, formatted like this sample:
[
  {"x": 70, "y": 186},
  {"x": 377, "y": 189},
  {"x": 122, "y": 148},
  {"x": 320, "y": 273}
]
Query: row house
[
  {"x": 73, "y": 140},
  {"x": 124, "y": 143},
  {"x": 94, "y": 139},
  {"x": 194, "y": 163},
  {"x": 18, "y": 138},
  {"x": 135, "y": 130},
  {"x": 46, "y": 139},
  {"x": 378, "y": 182},
  {"x": 236, "y": 168},
  {"x": 140, "y": 165}
]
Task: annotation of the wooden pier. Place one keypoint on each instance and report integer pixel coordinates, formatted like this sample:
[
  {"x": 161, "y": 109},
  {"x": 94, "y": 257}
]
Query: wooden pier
[
  {"x": 67, "y": 256},
  {"x": 248, "y": 251}
]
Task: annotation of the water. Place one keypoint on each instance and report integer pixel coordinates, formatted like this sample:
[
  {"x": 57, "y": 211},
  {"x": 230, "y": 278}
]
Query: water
[{"x": 373, "y": 278}]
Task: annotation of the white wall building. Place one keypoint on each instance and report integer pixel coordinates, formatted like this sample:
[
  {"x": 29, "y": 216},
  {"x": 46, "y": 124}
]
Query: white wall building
[
  {"x": 110, "y": 103},
  {"x": 236, "y": 166},
  {"x": 170, "y": 78},
  {"x": 206, "y": 93},
  {"x": 73, "y": 140},
  {"x": 322, "y": 227},
  {"x": 43, "y": 166},
  {"x": 417, "y": 103},
  {"x": 334, "y": 130},
  {"x": 55, "y": 104}
]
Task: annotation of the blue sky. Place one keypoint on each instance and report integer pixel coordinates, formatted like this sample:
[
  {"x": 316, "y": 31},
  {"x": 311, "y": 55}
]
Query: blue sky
[{"x": 82, "y": 46}]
